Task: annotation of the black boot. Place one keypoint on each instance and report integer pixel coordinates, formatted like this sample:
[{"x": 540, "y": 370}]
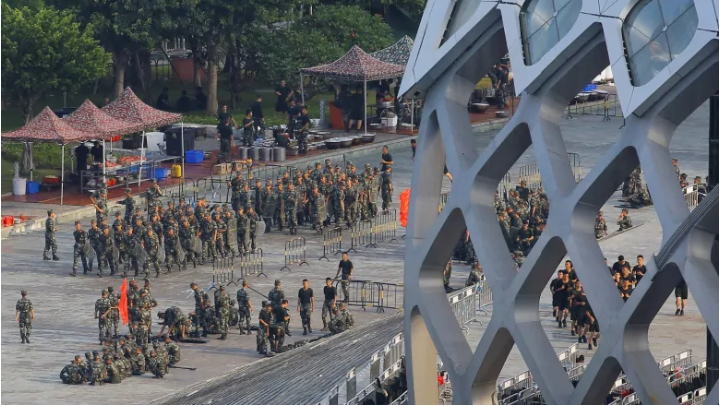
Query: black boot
[
  {"x": 305, "y": 331},
  {"x": 73, "y": 273},
  {"x": 310, "y": 330},
  {"x": 56, "y": 258},
  {"x": 27, "y": 338}
]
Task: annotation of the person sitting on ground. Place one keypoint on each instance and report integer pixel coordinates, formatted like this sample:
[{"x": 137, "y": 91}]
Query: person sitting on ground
[
  {"x": 624, "y": 221},
  {"x": 163, "y": 101},
  {"x": 201, "y": 100},
  {"x": 184, "y": 103}
]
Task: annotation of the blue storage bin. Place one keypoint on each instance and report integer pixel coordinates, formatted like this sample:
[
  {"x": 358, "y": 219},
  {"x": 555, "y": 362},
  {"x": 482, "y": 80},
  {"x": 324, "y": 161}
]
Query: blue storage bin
[
  {"x": 32, "y": 187},
  {"x": 589, "y": 88},
  {"x": 194, "y": 157},
  {"x": 159, "y": 173}
]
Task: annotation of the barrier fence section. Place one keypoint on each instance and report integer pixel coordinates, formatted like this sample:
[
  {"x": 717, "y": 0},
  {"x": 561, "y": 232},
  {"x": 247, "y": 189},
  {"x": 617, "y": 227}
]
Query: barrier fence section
[
  {"x": 380, "y": 295},
  {"x": 332, "y": 243},
  {"x": 606, "y": 107},
  {"x": 294, "y": 253},
  {"x": 388, "y": 296},
  {"x": 444, "y": 200},
  {"x": 463, "y": 304},
  {"x": 691, "y": 195},
  {"x": 223, "y": 272},
  {"x": 361, "y": 235},
  {"x": 384, "y": 227},
  {"x": 251, "y": 263},
  {"x": 484, "y": 295}
]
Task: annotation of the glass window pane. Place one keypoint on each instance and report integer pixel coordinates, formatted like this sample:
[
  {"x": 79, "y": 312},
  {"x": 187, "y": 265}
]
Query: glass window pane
[
  {"x": 682, "y": 31},
  {"x": 648, "y": 21},
  {"x": 567, "y": 16},
  {"x": 543, "y": 40},
  {"x": 672, "y": 9},
  {"x": 538, "y": 14},
  {"x": 650, "y": 60},
  {"x": 635, "y": 39}
]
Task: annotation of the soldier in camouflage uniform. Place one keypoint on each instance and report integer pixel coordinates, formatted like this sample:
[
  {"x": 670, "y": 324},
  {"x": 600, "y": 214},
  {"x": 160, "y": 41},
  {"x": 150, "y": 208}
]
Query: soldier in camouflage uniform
[
  {"x": 222, "y": 229},
  {"x": 236, "y": 186},
  {"x": 223, "y": 314},
  {"x": 600, "y": 227},
  {"x": 209, "y": 235},
  {"x": 106, "y": 251},
  {"x": 253, "y": 220},
  {"x": 81, "y": 238},
  {"x": 198, "y": 295},
  {"x": 351, "y": 200},
  {"x": 114, "y": 315},
  {"x": 318, "y": 212},
  {"x": 290, "y": 200},
  {"x": 243, "y": 231},
  {"x": 156, "y": 366},
  {"x": 101, "y": 205},
  {"x": 144, "y": 307},
  {"x": 102, "y": 311},
  {"x": 24, "y": 315},
  {"x": 276, "y": 297},
  {"x": 518, "y": 258},
  {"x": 50, "y": 242},
  {"x": 186, "y": 235},
  {"x": 152, "y": 247},
  {"x": 387, "y": 189},
  {"x": 279, "y": 217},
  {"x": 624, "y": 221},
  {"x": 152, "y": 195},
  {"x": 99, "y": 372},
  {"x": 337, "y": 201},
  {"x": 245, "y": 307},
  {"x": 172, "y": 251}
]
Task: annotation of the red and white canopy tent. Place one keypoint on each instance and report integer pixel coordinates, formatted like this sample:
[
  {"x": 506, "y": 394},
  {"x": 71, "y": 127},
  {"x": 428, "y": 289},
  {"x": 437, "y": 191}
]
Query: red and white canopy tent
[
  {"x": 48, "y": 127},
  {"x": 129, "y": 108},
  {"x": 356, "y": 66}
]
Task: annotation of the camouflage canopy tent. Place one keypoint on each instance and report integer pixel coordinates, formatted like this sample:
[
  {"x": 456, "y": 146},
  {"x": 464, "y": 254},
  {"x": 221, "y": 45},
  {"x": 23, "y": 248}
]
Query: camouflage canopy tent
[
  {"x": 48, "y": 127},
  {"x": 398, "y": 53},
  {"x": 356, "y": 66},
  {"x": 129, "y": 108}
]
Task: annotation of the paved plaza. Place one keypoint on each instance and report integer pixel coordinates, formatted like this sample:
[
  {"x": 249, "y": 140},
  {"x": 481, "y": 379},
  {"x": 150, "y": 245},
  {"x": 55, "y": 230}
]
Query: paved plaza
[{"x": 64, "y": 324}]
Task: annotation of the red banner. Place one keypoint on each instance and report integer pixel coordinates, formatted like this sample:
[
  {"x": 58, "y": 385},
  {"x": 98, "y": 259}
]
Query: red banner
[
  {"x": 405, "y": 201},
  {"x": 123, "y": 302}
]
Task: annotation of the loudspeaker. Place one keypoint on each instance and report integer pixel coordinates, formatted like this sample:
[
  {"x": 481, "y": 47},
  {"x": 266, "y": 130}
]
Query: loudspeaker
[{"x": 173, "y": 142}]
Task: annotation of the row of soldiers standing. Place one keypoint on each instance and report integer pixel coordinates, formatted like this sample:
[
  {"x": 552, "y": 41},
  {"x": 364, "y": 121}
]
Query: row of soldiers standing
[{"x": 317, "y": 197}]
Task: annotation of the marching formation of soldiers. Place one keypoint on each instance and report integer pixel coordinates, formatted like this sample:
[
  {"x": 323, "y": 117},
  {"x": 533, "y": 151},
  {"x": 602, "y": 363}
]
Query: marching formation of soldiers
[{"x": 121, "y": 359}]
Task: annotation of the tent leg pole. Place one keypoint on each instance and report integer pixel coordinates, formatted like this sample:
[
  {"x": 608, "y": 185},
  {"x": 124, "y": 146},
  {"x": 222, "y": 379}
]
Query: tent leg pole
[
  {"x": 142, "y": 154},
  {"x": 302, "y": 91},
  {"x": 182, "y": 147},
  {"x": 105, "y": 169},
  {"x": 62, "y": 176},
  {"x": 365, "y": 107}
]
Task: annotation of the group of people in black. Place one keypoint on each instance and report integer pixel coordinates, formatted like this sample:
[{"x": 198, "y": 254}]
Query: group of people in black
[{"x": 184, "y": 103}]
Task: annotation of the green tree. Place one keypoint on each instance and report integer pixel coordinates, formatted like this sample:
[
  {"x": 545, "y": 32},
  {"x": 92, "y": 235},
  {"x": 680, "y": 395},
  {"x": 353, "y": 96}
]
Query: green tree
[
  {"x": 347, "y": 26},
  {"x": 45, "y": 50}
]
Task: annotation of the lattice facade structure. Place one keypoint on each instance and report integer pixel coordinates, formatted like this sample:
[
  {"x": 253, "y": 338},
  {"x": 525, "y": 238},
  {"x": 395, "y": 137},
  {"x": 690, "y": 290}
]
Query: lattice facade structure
[{"x": 457, "y": 43}]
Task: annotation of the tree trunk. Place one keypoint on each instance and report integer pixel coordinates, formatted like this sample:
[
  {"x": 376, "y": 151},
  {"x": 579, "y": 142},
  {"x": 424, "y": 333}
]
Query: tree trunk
[
  {"x": 27, "y": 108},
  {"x": 120, "y": 63},
  {"x": 139, "y": 71},
  {"x": 212, "y": 108}
]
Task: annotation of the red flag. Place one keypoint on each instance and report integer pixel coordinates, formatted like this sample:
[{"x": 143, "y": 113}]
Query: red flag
[
  {"x": 405, "y": 201},
  {"x": 123, "y": 303}
]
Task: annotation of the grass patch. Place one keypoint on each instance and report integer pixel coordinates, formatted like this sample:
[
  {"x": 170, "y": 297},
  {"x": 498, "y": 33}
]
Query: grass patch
[{"x": 6, "y": 175}]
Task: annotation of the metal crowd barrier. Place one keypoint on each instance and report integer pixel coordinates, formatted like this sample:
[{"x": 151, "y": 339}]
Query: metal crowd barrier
[
  {"x": 607, "y": 107},
  {"x": 294, "y": 253},
  {"x": 388, "y": 296},
  {"x": 251, "y": 263},
  {"x": 531, "y": 175},
  {"x": 484, "y": 294},
  {"x": 691, "y": 195},
  {"x": 380, "y": 295},
  {"x": 223, "y": 272},
  {"x": 332, "y": 242},
  {"x": 463, "y": 304},
  {"x": 361, "y": 235},
  {"x": 444, "y": 200},
  {"x": 384, "y": 227}
]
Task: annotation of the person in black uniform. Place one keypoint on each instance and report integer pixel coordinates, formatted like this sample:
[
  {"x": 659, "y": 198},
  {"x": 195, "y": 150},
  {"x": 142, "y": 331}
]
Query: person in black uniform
[
  {"x": 681, "y": 296},
  {"x": 345, "y": 102},
  {"x": 525, "y": 238},
  {"x": 265, "y": 331},
  {"x": 306, "y": 306},
  {"x": 257, "y": 109},
  {"x": 579, "y": 304},
  {"x": 560, "y": 296},
  {"x": 357, "y": 110},
  {"x": 523, "y": 191},
  {"x": 280, "y": 316},
  {"x": 81, "y": 157},
  {"x": 593, "y": 327},
  {"x": 293, "y": 114},
  {"x": 162, "y": 101},
  {"x": 225, "y": 114},
  {"x": 345, "y": 271},
  {"x": 184, "y": 103},
  {"x": 281, "y": 105},
  {"x": 625, "y": 288},
  {"x": 639, "y": 270},
  {"x": 201, "y": 100},
  {"x": 618, "y": 264},
  {"x": 97, "y": 152},
  {"x": 225, "y": 132}
]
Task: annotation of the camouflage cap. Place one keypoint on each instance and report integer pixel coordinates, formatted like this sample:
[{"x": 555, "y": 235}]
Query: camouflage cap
[
  {"x": 155, "y": 181},
  {"x": 104, "y": 292},
  {"x": 87, "y": 355},
  {"x": 277, "y": 282},
  {"x": 128, "y": 190},
  {"x": 23, "y": 292},
  {"x": 50, "y": 212},
  {"x": 96, "y": 353},
  {"x": 222, "y": 287},
  {"x": 147, "y": 281}
]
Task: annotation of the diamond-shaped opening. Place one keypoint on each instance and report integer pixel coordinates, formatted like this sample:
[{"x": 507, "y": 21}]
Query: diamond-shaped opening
[{"x": 660, "y": 334}]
